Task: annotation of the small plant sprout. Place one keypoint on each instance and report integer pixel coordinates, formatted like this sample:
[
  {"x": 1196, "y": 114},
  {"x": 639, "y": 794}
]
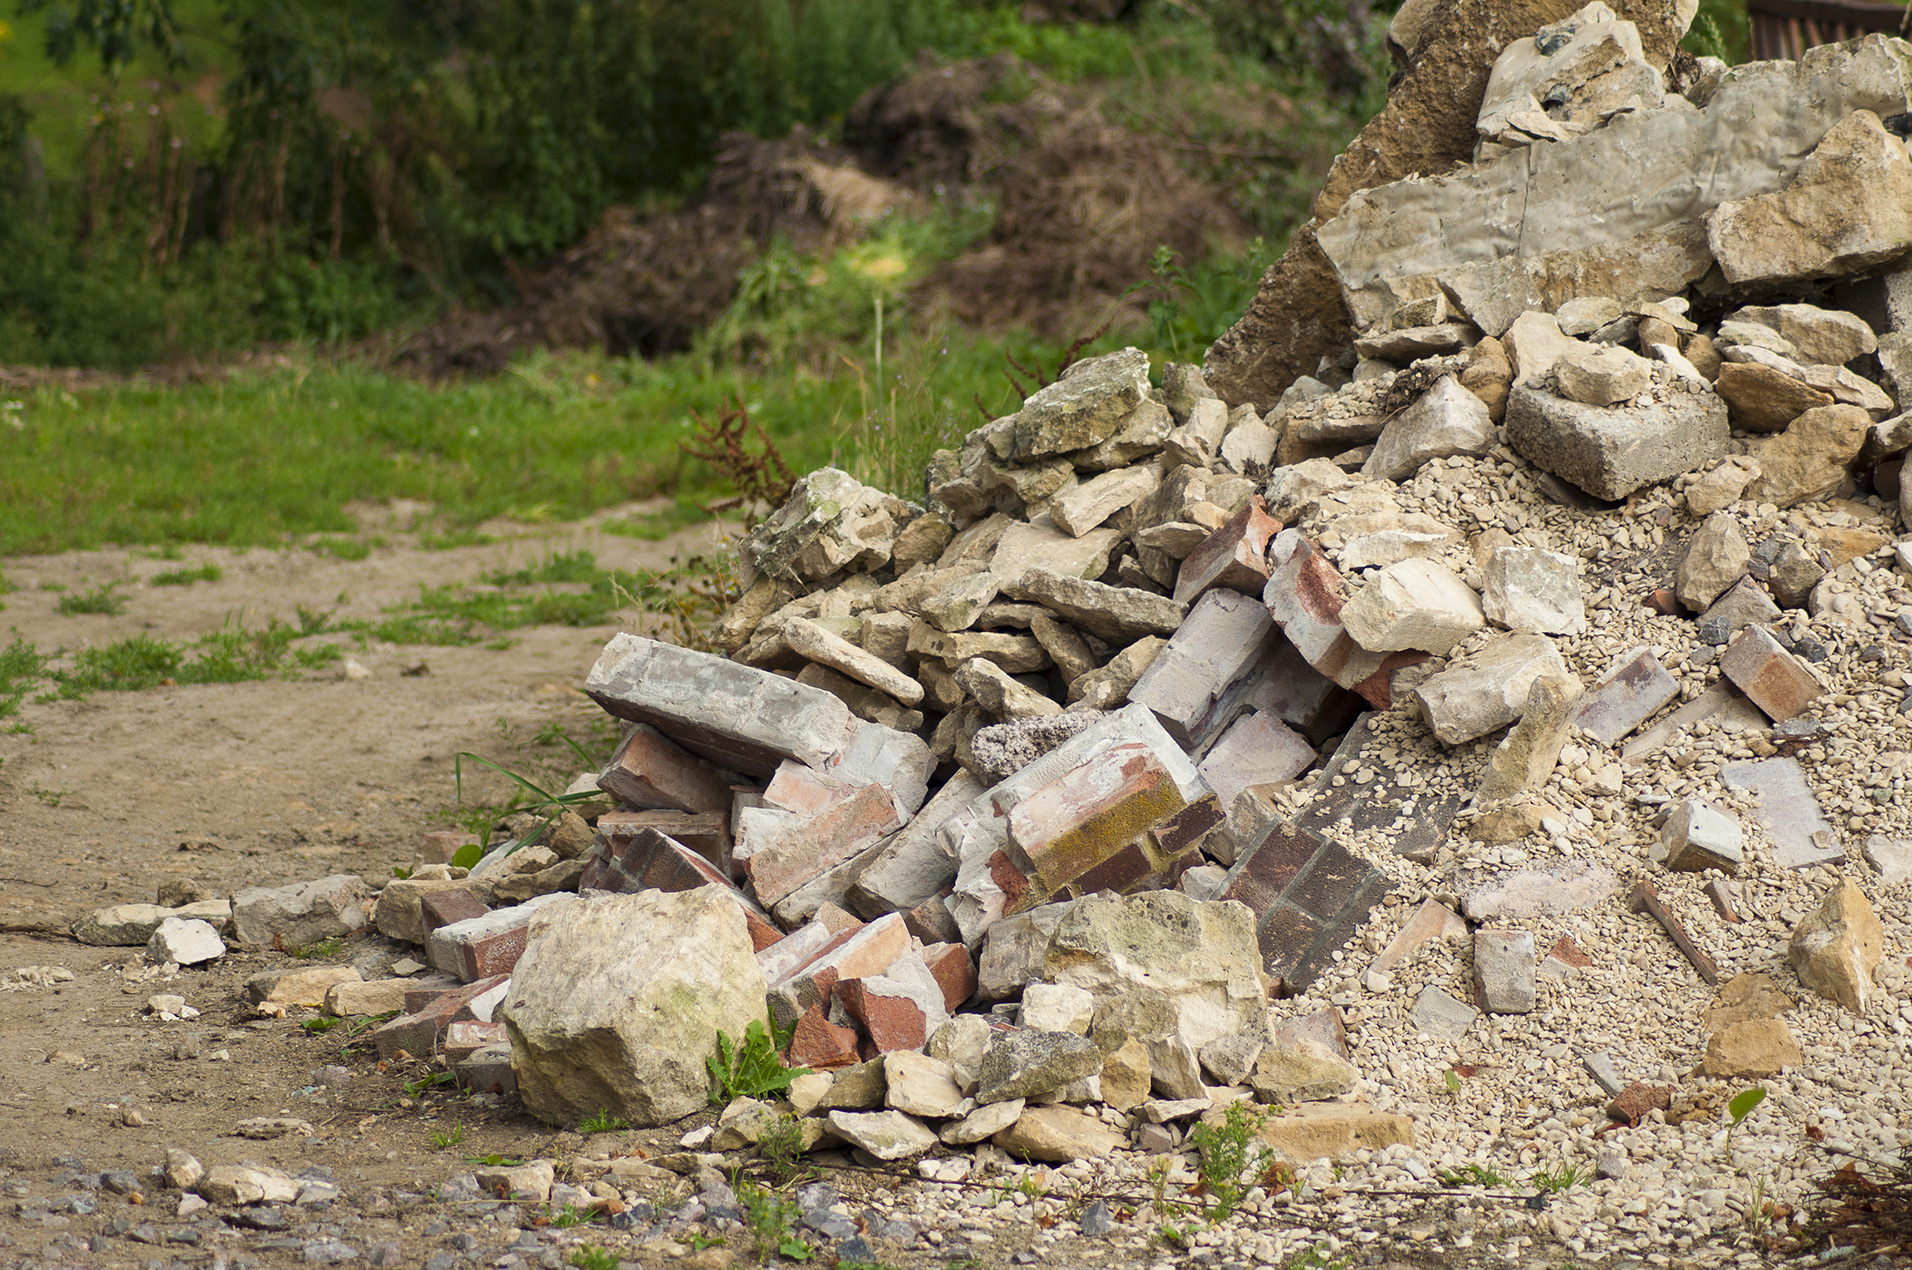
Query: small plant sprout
[
  {"x": 752, "y": 1069},
  {"x": 592, "y": 1257},
  {"x": 445, "y": 1139},
  {"x": 1225, "y": 1155},
  {"x": 1555, "y": 1181},
  {"x": 602, "y": 1121},
  {"x": 1738, "y": 1109}
]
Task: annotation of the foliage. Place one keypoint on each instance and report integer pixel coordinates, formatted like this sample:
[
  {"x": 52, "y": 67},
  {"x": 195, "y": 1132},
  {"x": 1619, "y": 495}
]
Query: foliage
[
  {"x": 592, "y": 1257},
  {"x": 186, "y": 577},
  {"x": 533, "y": 798},
  {"x": 781, "y": 1146},
  {"x": 21, "y": 667},
  {"x": 232, "y": 654},
  {"x": 760, "y": 476},
  {"x": 751, "y": 1069},
  {"x": 445, "y": 1139},
  {"x": 602, "y": 1121},
  {"x": 1721, "y": 29},
  {"x": 1226, "y": 1156},
  {"x": 772, "y": 1221},
  {"x": 1473, "y": 1175},
  {"x": 1558, "y": 1180},
  {"x": 1741, "y": 1106},
  {"x": 320, "y": 950},
  {"x": 104, "y": 598}
]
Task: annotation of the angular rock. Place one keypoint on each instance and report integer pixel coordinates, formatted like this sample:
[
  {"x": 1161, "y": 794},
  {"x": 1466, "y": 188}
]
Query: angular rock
[
  {"x": 829, "y": 523},
  {"x": 1445, "y": 421},
  {"x": 300, "y": 913},
  {"x": 1086, "y": 406},
  {"x": 1526, "y": 757},
  {"x": 1234, "y": 556},
  {"x": 1848, "y": 207},
  {"x": 1030, "y": 1064},
  {"x": 1440, "y": 1015},
  {"x": 1631, "y": 691},
  {"x": 186, "y": 942},
  {"x": 618, "y": 1000},
  {"x": 1122, "y": 614},
  {"x": 359, "y": 1000},
  {"x": 1471, "y": 699},
  {"x": 1109, "y": 687},
  {"x": 1775, "y": 680},
  {"x": 1415, "y": 604},
  {"x": 983, "y": 1122},
  {"x": 1532, "y": 590},
  {"x": 1256, "y": 751},
  {"x": 1504, "y": 971},
  {"x": 237, "y": 1184},
  {"x": 1721, "y": 487},
  {"x": 1716, "y": 557},
  {"x": 1753, "y": 1049},
  {"x": 1334, "y": 1131},
  {"x": 1744, "y": 604},
  {"x": 1084, "y": 507},
  {"x": 1602, "y": 376},
  {"x": 1811, "y": 458},
  {"x": 1764, "y": 399},
  {"x": 1826, "y": 337},
  {"x": 1838, "y": 945},
  {"x": 1698, "y": 836},
  {"x": 993, "y": 689},
  {"x": 1189, "y": 684},
  {"x": 1059, "y": 1135},
  {"x": 1042, "y": 545},
  {"x": 918, "y": 1085},
  {"x": 807, "y": 639},
  {"x": 1611, "y": 451},
  {"x": 1892, "y": 858},
  {"x": 306, "y": 986},
  {"x": 1299, "y": 1070}
]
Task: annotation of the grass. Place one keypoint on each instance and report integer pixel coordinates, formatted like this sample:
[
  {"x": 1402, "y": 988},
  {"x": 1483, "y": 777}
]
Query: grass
[
  {"x": 1474, "y": 1175},
  {"x": 322, "y": 950},
  {"x": 592, "y": 1257},
  {"x": 233, "y": 654},
  {"x": 602, "y": 1121},
  {"x": 186, "y": 577},
  {"x": 104, "y": 598},
  {"x": 1559, "y": 1180}
]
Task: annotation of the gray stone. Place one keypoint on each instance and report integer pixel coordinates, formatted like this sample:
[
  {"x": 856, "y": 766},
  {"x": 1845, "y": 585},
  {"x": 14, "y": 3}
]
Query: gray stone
[
  {"x": 1611, "y": 451},
  {"x": 887, "y": 1135},
  {"x": 991, "y": 687},
  {"x": 954, "y": 608},
  {"x": 1787, "y": 811},
  {"x": 984, "y": 1122},
  {"x": 1600, "y": 1066},
  {"x": 1699, "y": 836},
  {"x": 1085, "y": 407},
  {"x": 618, "y": 1000},
  {"x": 807, "y": 639},
  {"x": 1031, "y": 1064},
  {"x": 121, "y": 926},
  {"x": 1828, "y": 337},
  {"x": 1040, "y": 544},
  {"x": 1632, "y": 690},
  {"x": 300, "y": 913},
  {"x": 830, "y": 522},
  {"x": 1438, "y": 1014},
  {"x": 1174, "y": 1072},
  {"x": 1446, "y": 420},
  {"x": 1716, "y": 557},
  {"x": 1542, "y": 891},
  {"x": 1013, "y": 951},
  {"x": 1532, "y": 590},
  {"x": 1488, "y": 691},
  {"x": 1567, "y": 80},
  {"x": 1743, "y": 604},
  {"x": 187, "y": 942},
  {"x": 1229, "y": 1059},
  {"x": 1122, "y": 614},
  {"x": 1224, "y": 638},
  {"x": 915, "y": 863},
  {"x": 1891, "y": 857},
  {"x": 1504, "y": 971}
]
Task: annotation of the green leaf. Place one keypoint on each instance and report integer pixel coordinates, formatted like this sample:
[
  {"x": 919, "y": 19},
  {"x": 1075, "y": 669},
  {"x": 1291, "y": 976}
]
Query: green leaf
[
  {"x": 1743, "y": 1103},
  {"x": 467, "y": 855}
]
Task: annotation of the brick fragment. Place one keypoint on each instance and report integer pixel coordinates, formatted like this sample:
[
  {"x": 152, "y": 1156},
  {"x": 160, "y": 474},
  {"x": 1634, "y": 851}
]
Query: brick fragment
[
  {"x": 708, "y": 833},
  {"x": 488, "y": 1071},
  {"x": 816, "y": 844},
  {"x": 1305, "y": 594},
  {"x": 437, "y": 846},
  {"x": 1720, "y": 892},
  {"x": 1234, "y": 556},
  {"x": 647, "y": 770},
  {"x": 465, "y": 1036},
  {"x": 1309, "y": 896},
  {"x": 418, "y": 1033},
  {"x": 479, "y": 947},
  {"x": 1637, "y": 1099},
  {"x": 821, "y": 1044},
  {"x": 1776, "y": 681},
  {"x": 1646, "y": 899},
  {"x": 442, "y": 908},
  {"x": 1631, "y": 691},
  {"x": 931, "y": 922},
  {"x": 953, "y": 970},
  {"x": 866, "y": 952}
]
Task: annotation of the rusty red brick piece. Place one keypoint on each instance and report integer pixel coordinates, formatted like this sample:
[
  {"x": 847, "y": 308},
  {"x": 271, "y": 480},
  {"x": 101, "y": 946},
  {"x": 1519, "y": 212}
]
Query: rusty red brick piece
[
  {"x": 647, "y": 770},
  {"x": 1722, "y": 897},
  {"x": 1234, "y": 556},
  {"x": 1637, "y": 1099},
  {"x": 953, "y": 971},
  {"x": 442, "y": 908},
  {"x": 1776, "y": 681},
  {"x": 822, "y": 842},
  {"x": 707, "y": 832},
  {"x": 1646, "y": 899},
  {"x": 821, "y": 1044},
  {"x": 418, "y": 1033}
]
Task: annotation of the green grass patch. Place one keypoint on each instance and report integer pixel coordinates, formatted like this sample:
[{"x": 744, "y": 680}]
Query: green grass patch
[
  {"x": 104, "y": 598},
  {"x": 457, "y": 538},
  {"x": 231, "y": 655},
  {"x": 186, "y": 577},
  {"x": 22, "y": 667}
]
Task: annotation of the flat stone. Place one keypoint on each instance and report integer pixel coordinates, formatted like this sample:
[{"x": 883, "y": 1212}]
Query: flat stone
[
  {"x": 1190, "y": 685},
  {"x": 1431, "y": 921},
  {"x": 1744, "y": 604},
  {"x": 1257, "y": 751},
  {"x": 1610, "y": 451},
  {"x": 1059, "y": 1135},
  {"x": 305, "y": 986},
  {"x": 1416, "y": 604},
  {"x": 1411, "y": 343},
  {"x": 1504, "y": 971},
  {"x": 1122, "y": 614},
  {"x": 1720, "y": 487},
  {"x": 1801, "y": 835},
  {"x": 1827, "y": 337},
  {"x": 1632, "y": 690},
  {"x": 887, "y": 1135},
  {"x": 1753, "y": 1049},
  {"x": 299, "y": 914},
  {"x": 1084, "y": 507},
  {"x": 1333, "y": 1131},
  {"x": 919, "y": 1085},
  {"x": 1605, "y": 1073},
  {"x": 1602, "y": 375},
  {"x": 188, "y": 943},
  {"x": 1746, "y": 996},
  {"x": 1291, "y": 1071},
  {"x": 1891, "y": 857},
  {"x": 1763, "y": 398},
  {"x": 1542, "y": 891},
  {"x": 984, "y": 1122}
]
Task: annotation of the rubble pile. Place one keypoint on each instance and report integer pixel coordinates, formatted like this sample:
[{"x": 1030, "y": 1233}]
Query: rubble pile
[{"x": 1548, "y": 644}]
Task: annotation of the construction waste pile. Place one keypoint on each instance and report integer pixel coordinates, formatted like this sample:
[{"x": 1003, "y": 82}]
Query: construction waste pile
[{"x": 1499, "y": 737}]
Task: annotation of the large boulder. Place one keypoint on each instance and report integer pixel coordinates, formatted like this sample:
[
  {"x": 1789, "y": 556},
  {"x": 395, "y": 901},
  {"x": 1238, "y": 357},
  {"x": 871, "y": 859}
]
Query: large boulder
[
  {"x": 618, "y": 1001},
  {"x": 1200, "y": 957}
]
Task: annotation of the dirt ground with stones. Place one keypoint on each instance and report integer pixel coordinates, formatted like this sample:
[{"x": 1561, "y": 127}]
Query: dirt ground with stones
[{"x": 264, "y": 783}]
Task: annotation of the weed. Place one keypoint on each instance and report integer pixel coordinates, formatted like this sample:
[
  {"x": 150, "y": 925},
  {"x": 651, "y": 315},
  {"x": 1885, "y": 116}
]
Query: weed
[
  {"x": 752, "y": 1069},
  {"x": 760, "y": 476},
  {"x": 1225, "y": 1155},
  {"x": 781, "y": 1146},
  {"x": 1452, "y": 1079},
  {"x": 1178, "y": 1235},
  {"x": 186, "y": 577},
  {"x": 571, "y": 1215},
  {"x": 231, "y": 655},
  {"x": 1316, "y": 1258},
  {"x": 1158, "y": 1188},
  {"x": 699, "y": 1241},
  {"x": 1738, "y": 1109},
  {"x": 322, "y": 950},
  {"x": 602, "y": 1121},
  {"x": 495, "y": 1161},
  {"x": 21, "y": 667},
  {"x": 454, "y": 539},
  {"x": 445, "y": 1139},
  {"x": 558, "y": 566},
  {"x": 341, "y": 548},
  {"x": 319, "y": 1026},
  {"x": 1473, "y": 1175},
  {"x": 540, "y": 801},
  {"x": 592, "y": 1257},
  {"x": 51, "y": 797},
  {"x": 1556, "y": 1181},
  {"x": 772, "y": 1221},
  {"x": 104, "y": 598},
  {"x": 413, "y": 1088}
]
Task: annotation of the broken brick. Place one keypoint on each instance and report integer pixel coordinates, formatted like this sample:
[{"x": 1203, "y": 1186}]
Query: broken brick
[
  {"x": 1234, "y": 556},
  {"x": 954, "y": 972},
  {"x": 820, "y": 1044},
  {"x": 1645, "y": 898},
  {"x": 1775, "y": 680},
  {"x": 464, "y": 1036},
  {"x": 707, "y": 832},
  {"x": 479, "y": 947},
  {"x": 1192, "y": 683},
  {"x": 418, "y": 1033},
  {"x": 807, "y": 849},
  {"x": 437, "y": 846},
  {"x": 647, "y": 770},
  {"x": 1637, "y": 1100},
  {"x": 1309, "y": 895},
  {"x": 442, "y": 908}
]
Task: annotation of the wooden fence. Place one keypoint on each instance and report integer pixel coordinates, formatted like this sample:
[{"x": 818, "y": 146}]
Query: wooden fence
[{"x": 1787, "y": 28}]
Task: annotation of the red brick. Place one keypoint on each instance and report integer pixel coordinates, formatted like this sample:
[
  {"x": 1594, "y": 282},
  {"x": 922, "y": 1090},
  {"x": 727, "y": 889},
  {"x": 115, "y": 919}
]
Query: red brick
[
  {"x": 1089, "y": 814},
  {"x": 1305, "y": 593},
  {"x": 821, "y": 1044},
  {"x": 426, "y": 989},
  {"x": 836, "y": 918},
  {"x": 418, "y": 1033},
  {"x": 647, "y": 860},
  {"x": 891, "y": 1021},
  {"x": 1646, "y": 899},
  {"x": 649, "y": 771},
  {"x": 762, "y": 932},
  {"x": 821, "y": 843},
  {"x": 868, "y": 951},
  {"x": 1776, "y": 681},
  {"x": 1184, "y": 830},
  {"x": 464, "y": 1036},
  {"x": 1234, "y": 556},
  {"x": 805, "y": 790},
  {"x": 954, "y": 972},
  {"x": 442, "y": 908},
  {"x": 1637, "y": 1099},
  {"x": 706, "y": 833},
  {"x": 1722, "y": 898},
  {"x": 931, "y": 922},
  {"x": 1121, "y": 872},
  {"x": 1569, "y": 953}
]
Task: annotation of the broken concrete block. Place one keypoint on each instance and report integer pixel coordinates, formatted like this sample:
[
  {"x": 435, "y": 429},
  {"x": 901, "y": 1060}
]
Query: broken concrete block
[
  {"x": 1610, "y": 451},
  {"x": 1698, "y": 836},
  {"x": 1801, "y": 835},
  {"x": 748, "y": 720},
  {"x": 1543, "y": 891},
  {"x": 1234, "y": 556},
  {"x": 1446, "y": 420},
  {"x": 1489, "y": 690},
  {"x": 1014, "y": 949},
  {"x": 1534, "y": 591},
  {"x": 1122, "y": 614},
  {"x": 481, "y": 947},
  {"x": 1775, "y": 680},
  {"x": 298, "y": 914},
  {"x": 618, "y": 1000},
  {"x": 1837, "y": 946},
  {"x": 807, "y": 639},
  {"x": 830, "y": 522},
  {"x": 1631, "y": 691},
  {"x": 647, "y": 770},
  {"x": 1223, "y": 639},
  {"x": 1439, "y": 1014},
  {"x": 1309, "y": 896},
  {"x": 1256, "y": 751},
  {"x": 1504, "y": 971}
]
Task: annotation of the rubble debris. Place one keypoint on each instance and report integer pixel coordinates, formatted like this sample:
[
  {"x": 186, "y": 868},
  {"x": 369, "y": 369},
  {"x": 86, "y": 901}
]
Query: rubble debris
[
  {"x": 1835, "y": 949},
  {"x": 1645, "y": 898}
]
